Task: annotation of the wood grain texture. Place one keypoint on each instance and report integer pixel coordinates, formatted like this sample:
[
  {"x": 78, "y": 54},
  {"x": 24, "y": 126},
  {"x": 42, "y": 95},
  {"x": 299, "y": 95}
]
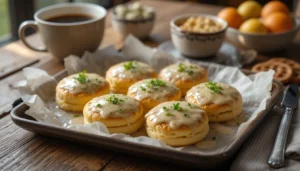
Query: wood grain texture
[
  {"x": 132, "y": 163},
  {"x": 23, "y": 150}
]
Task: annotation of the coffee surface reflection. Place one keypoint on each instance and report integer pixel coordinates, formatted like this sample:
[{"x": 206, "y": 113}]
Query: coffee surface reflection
[{"x": 71, "y": 18}]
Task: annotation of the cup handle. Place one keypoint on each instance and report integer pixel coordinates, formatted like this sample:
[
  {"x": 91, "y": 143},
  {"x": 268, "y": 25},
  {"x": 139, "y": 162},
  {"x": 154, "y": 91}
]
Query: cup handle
[{"x": 22, "y": 28}]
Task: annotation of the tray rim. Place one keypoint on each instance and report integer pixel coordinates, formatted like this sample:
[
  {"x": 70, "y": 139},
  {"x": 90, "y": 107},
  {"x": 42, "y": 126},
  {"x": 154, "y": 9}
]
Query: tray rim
[{"x": 153, "y": 150}]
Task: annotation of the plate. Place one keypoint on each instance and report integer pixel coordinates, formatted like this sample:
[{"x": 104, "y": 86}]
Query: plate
[{"x": 227, "y": 55}]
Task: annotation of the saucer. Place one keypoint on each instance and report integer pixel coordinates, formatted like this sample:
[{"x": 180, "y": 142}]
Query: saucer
[{"x": 227, "y": 55}]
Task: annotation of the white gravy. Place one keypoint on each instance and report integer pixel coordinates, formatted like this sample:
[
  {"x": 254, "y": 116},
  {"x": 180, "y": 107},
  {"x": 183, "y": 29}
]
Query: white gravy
[
  {"x": 181, "y": 71},
  {"x": 205, "y": 96},
  {"x": 237, "y": 121},
  {"x": 205, "y": 144},
  {"x": 221, "y": 129},
  {"x": 114, "y": 106},
  {"x": 144, "y": 89},
  {"x": 189, "y": 114},
  {"x": 94, "y": 83},
  {"x": 138, "y": 71}
]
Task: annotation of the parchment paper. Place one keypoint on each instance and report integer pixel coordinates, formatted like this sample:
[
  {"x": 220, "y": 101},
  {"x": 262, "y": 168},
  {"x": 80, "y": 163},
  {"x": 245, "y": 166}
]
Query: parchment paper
[{"x": 38, "y": 92}]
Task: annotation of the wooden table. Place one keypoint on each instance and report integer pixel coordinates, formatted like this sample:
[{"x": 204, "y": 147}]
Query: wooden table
[{"x": 23, "y": 150}]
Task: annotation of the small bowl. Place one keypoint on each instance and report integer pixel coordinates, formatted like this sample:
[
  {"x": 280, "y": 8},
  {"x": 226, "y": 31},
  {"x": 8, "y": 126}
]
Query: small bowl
[
  {"x": 197, "y": 45},
  {"x": 263, "y": 42},
  {"x": 140, "y": 28}
]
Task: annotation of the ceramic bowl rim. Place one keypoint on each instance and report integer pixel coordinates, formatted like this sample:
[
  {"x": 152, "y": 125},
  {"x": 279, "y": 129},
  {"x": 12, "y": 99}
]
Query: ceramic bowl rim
[
  {"x": 173, "y": 26},
  {"x": 67, "y": 5},
  {"x": 115, "y": 17}
]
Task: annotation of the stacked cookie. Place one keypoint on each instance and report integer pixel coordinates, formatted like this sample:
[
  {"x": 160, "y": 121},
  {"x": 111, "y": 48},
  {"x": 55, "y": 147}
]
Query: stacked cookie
[{"x": 286, "y": 70}]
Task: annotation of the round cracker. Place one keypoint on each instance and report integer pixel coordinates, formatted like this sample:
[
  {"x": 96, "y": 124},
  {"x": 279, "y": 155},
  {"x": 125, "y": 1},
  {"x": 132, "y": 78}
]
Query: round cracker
[
  {"x": 283, "y": 72},
  {"x": 295, "y": 66}
]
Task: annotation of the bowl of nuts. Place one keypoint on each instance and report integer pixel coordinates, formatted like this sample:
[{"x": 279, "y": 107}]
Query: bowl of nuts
[
  {"x": 134, "y": 19},
  {"x": 198, "y": 35}
]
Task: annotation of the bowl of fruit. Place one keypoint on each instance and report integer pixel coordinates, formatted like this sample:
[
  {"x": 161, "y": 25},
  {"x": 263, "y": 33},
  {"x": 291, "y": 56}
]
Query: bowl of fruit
[{"x": 264, "y": 28}]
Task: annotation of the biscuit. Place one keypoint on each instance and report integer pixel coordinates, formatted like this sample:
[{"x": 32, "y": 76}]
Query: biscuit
[
  {"x": 121, "y": 76},
  {"x": 151, "y": 92},
  {"x": 177, "y": 123},
  {"x": 74, "y": 91},
  {"x": 184, "y": 75},
  {"x": 220, "y": 101},
  {"x": 118, "y": 112}
]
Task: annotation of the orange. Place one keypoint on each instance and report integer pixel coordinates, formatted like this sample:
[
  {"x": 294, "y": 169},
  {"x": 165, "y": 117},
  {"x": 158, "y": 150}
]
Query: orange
[
  {"x": 253, "y": 25},
  {"x": 233, "y": 18},
  {"x": 274, "y": 6},
  {"x": 249, "y": 9},
  {"x": 278, "y": 22}
]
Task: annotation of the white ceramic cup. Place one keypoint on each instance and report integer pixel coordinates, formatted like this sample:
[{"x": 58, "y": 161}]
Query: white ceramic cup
[{"x": 63, "y": 39}]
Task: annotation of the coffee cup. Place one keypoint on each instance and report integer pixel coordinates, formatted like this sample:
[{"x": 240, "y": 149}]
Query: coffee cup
[{"x": 69, "y": 28}]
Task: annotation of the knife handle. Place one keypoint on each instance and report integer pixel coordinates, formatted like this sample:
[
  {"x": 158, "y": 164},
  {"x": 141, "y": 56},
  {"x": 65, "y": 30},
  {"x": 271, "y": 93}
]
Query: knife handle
[{"x": 276, "y": 159}]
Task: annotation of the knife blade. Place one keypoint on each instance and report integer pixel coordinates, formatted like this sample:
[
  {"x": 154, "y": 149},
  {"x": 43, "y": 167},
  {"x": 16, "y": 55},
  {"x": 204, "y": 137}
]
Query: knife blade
[
  {"x": 290, "y": 99},
  {"x": 290, "y": 103}
]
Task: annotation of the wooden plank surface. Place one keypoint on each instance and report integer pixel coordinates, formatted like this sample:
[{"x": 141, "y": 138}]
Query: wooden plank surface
[{"x": 23, "y": 150}]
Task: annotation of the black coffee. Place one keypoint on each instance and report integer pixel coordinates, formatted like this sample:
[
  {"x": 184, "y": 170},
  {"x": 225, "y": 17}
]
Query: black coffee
[{"x": 71, "y": 18}]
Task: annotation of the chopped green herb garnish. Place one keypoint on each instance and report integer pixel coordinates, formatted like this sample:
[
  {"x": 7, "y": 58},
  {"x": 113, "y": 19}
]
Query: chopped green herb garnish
[
  {"x": 214, "y": 87},
  {"x": 186, "y": 115},
  {"x": 77, "y": 115},
  {"x": 191, "y": 66},
  {"x": 130, "y": 65},
  {"x": 185, "y": 68},
  {"x": 121, "y": 110},
  {"x": 169, "y": 114},
  {"x": 165, "y": 108},
  {"x": 114, "y": 99},
  {"x": 176, "y": 106},
  {"x": 190, "y": 72},
  {"x": 155, "y": 84},
  {"x": 82, "y": 77},
  {"x": 99, "y": 105},
  {"x": 189, "y": 104},
  {"x": 214, "y": 138},
  {"x": 99, "y": 81},
  {"x": 143, "y": 88}
]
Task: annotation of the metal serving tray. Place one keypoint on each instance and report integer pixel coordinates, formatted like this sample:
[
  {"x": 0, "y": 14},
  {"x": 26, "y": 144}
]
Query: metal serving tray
[{"x": 206, "y": 161}]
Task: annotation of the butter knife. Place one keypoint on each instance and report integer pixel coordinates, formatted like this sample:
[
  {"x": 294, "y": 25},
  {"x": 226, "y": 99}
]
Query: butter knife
[{"x": 289, "y": 102}]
